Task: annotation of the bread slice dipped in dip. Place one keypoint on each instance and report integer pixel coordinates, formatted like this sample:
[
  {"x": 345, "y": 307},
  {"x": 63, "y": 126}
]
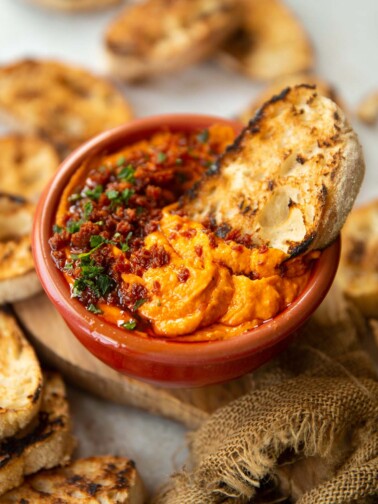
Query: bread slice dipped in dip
[{"x": 144, "y": 242}]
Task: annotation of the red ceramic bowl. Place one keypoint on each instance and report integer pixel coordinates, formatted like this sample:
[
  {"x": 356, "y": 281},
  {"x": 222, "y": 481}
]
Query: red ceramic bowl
[{"x": 161, "y": 361}]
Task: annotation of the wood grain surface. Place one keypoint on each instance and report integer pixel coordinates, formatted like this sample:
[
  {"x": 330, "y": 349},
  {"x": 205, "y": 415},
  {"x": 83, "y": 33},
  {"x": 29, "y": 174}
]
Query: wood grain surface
[{"x": 57, "y": 347}]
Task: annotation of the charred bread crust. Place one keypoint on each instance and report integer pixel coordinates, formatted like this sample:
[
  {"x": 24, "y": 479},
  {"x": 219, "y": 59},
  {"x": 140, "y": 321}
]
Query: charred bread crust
[
  {"x": 256, "y": 186},
  {"x": 44, "y": 443},
  {"x": 96, "y": 479}
]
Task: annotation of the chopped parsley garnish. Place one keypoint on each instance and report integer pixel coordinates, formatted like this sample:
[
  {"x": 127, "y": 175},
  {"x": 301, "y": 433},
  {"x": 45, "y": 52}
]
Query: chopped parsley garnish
[
  {"x": 127, "y": 174},
  {"x": 88, "y": 208},
  {"x": 112, "y": 195},
  {"x": 140, "y": 210},
  {"x": 117, "y": 198},
  {"x": 181, "y": 177},
  {"x": 125, "y": 245},
  {"x": 95, "y": 241},
  {"x": 92, "y": 278},
  {"x": 74, "y": 226},
  {"x": 68, "y": 266},
  {"x": 94, "y": 194},
  {"x": 161, "y": 157},
  {"x": 179, "y": 161},
  {"x": 94, "y": 309},
  {"x": 138, "y": 304},
  {"x": 121, "y": 160},
  {"x": 74, "y": 197},
  {"x": 203, "y": 136},
  {"x": 131, "y": 324},
  {"x": 57, "y": 229}
]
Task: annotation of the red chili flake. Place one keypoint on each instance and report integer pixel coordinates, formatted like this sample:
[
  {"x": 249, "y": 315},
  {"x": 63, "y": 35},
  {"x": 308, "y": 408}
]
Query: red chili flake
[
  {"x": 237, "y": 248},
  {"x": 156, "y": 287},
  {"x": 198, "y": 250},
  {"x": 183, "y": 275},
  {"x": 212, "y": 241},
  {"x": 188, "y": 233}
]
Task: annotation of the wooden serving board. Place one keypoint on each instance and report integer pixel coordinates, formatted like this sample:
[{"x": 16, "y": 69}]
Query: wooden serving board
[{"x": 58, "y": 347}]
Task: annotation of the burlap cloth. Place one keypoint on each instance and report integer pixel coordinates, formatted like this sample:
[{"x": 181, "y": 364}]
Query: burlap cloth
[{"x": 306, "y": 432}]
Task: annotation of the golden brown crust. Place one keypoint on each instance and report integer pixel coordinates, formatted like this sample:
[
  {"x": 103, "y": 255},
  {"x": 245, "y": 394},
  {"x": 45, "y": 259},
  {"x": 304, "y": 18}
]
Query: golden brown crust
[
  {"x": 270, "y": 43},
  {"x": 18, "y": 279},
  {"x": 20, "y": 378},
  {"x": 160, "y": 36},
  {"x": 62, "y": 103},
  {"x": 76, "y": 5},
  {"x": 106, "y": 479},
  {"x": 275, "y": 87},
  {"x": 291, "y": 177},
  {"x": 358, "y": 271},
  {"x": 26, "y": 165},
  {"x": 43, "y": 444}
]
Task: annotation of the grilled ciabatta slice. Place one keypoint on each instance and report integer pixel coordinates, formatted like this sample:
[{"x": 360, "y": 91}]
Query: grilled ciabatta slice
[
  {"x": 275, "y": 87},
  {"x": 45, "y": 443},
  {"x": 270, "y": 42},
  {"x": 289, "y": 180},
  {"x": 20, "y": 378},
  {"x": 358, "y": 271},
  {"x": 63, "y": 103},
  {"x": 105, "y": 479},
  {"x": 18, "y": 279},
  {"x": 159, "y": 36},
  {"x": 76, "y": 5},
  {"x": 26, "y": 165}
]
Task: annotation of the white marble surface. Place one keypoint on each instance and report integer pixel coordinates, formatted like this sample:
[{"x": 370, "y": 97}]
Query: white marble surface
[{"x": 345, "y": 36}]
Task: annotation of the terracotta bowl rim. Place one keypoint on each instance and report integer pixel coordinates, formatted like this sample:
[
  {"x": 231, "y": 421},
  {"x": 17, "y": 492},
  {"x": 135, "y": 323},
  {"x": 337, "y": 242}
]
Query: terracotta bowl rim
[{"x": 163, "y": 350}]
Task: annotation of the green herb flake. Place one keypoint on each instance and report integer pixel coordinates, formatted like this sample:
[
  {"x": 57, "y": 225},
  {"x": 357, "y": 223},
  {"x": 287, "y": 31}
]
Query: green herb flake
[
  {"x": 68, "y": 266},
  {"x": 203, "y": 136},
  {"x": 127, "y": 174},
  {"x": 112, "y": 195},
  {"x": 125, "y": 247},
  {"x": 179, "y": 161},
  {"x": 161, "y": 157},
  {"x": 96, "y": 240},
  {"x": 138, "y": 304},
  {"x": 140, "y": 210},
  {"x": 74, "y": 226},
  {"x": 104, "y": 284},
  {"x": 94, "y": 194},
  {"x": 94, "y": 309},
  {"x": 121, "y": 160},
  {"x": 74, "y": 197},
  {"x": 57, "y": 229},
  {"x": 88, "y": 208},
  {"x": 126, "y": 195},
  {"x": 182, "y": 178},
  {"x": 131, "y": 324}
]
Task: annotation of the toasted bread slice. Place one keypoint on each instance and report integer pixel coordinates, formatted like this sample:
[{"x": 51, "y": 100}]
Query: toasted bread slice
[
  {"x": 76, "y": 5},
  {"x": 26, "y": 165},
  {"x": 65, "y": 104},
  {"x": 367, "y": 110},
  {"x": 20, "y": 378},
  {"x": 43, "y": 444},
  {"x": 358, "y": 271},
  {"x": 270, "y": 42},
  {"x": 323, "y": 88},
  {"x": 105, "y": 479},
  {"x": 18, "y": 279},
  {"x": 160, "y": 36},
  {"x": 289, "y": 180}
]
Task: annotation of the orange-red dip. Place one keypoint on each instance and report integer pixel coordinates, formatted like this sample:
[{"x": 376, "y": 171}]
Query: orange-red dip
[{"x": 132, "y": 257}]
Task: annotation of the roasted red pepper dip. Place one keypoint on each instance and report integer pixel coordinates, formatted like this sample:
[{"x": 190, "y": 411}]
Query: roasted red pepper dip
[{"x": 131, "y": 256}]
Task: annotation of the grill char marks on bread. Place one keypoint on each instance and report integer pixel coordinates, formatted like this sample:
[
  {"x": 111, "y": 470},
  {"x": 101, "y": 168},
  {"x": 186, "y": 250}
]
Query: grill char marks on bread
[
  {"x": 44, "y": 443},
  {"x": 62, "y": 103},
  {"x": 289, "y": 180},
  {"x": 160, "y": 36},
  {"x": 105, "y": 479}
]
